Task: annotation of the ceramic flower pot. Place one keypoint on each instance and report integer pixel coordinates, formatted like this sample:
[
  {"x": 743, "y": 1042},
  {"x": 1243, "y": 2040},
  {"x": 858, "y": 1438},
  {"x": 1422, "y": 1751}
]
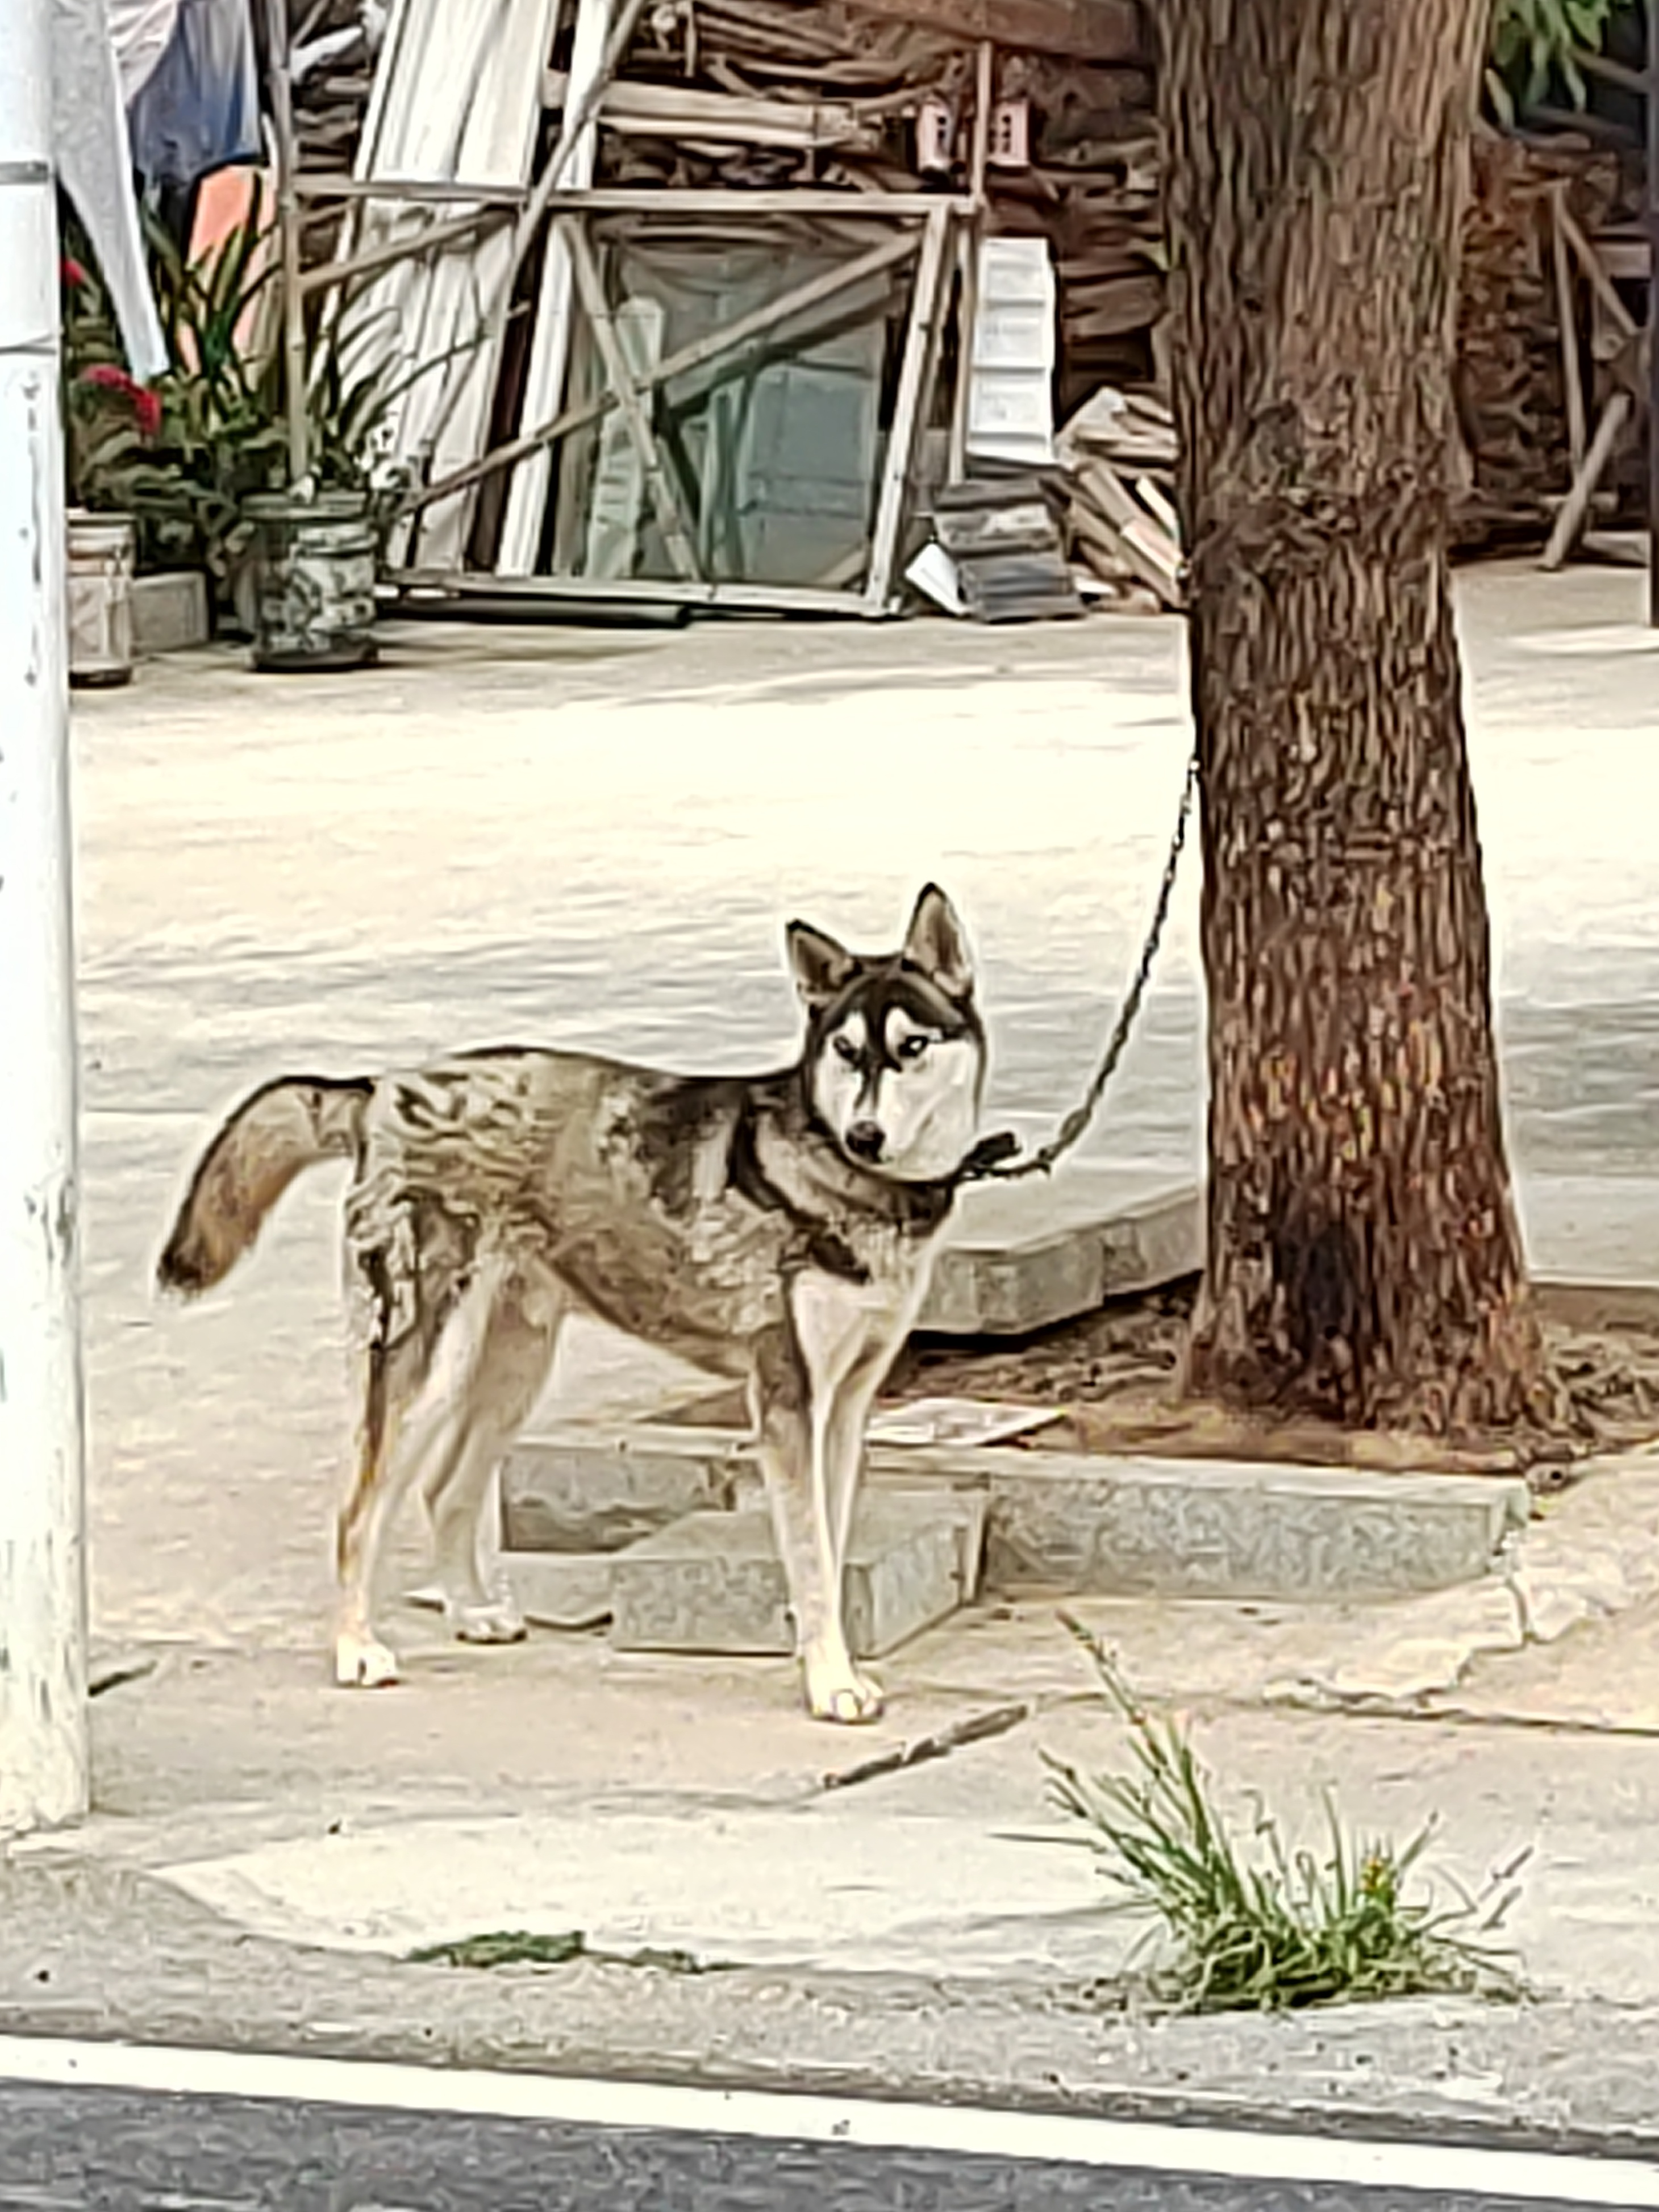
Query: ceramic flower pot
[
  {"x": 98, "y": 582},
  {"x": 308, "y": 587}
]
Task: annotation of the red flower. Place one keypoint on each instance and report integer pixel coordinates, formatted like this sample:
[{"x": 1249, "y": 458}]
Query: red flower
[
  {"x": 73, "y": 274},
  {"x": 146, "y": 405},
  {"x": 108, "y": 378}
]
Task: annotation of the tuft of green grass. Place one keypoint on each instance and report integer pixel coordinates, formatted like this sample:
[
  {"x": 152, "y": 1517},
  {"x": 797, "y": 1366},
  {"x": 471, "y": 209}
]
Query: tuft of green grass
[
  {"x": 1267, "y": 1928},
  {"x": 521, "y": 1947}
]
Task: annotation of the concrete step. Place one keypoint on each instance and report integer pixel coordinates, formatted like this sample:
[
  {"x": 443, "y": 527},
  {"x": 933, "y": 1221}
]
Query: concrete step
[
  {"x": 1601, "y": 1229},
  {"x": 584, "y": 1489},
  {"x": 561, "y": 1589},
  {"x": 170, "y": 612},
  {"x": 713, "y": 1582},
  {"x": 1024, "y": 1255},
  {"x": 1091, "y": 1524}
]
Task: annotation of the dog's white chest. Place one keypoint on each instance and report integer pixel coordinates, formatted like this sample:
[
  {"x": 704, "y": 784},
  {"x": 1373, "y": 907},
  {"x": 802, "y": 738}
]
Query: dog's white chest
[{"x": 839, "y": 1324}]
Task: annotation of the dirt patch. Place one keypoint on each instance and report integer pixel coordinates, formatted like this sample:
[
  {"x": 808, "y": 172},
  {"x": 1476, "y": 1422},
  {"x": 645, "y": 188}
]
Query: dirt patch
[{"x": 1116, "y": 1372}]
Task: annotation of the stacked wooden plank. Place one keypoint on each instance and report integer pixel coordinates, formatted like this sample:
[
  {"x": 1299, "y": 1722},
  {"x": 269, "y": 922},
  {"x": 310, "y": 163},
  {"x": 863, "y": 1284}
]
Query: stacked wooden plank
[
  {"x": 1006, "y": 550},
  {"x": 1119, "y": 452},
  {"x": 331, "y": 100}
]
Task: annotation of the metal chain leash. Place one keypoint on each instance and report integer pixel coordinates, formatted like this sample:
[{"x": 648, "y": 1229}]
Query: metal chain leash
[{"x": 992, "y": 1160}]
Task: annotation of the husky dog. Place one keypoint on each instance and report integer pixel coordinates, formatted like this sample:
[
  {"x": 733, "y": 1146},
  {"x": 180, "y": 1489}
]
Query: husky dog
[{"x": 778, "y": 1230}]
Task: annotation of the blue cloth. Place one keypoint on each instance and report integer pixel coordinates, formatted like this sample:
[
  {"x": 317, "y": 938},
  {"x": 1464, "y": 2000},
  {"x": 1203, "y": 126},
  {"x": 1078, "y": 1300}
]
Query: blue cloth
[{"x": 199, "y": 111}]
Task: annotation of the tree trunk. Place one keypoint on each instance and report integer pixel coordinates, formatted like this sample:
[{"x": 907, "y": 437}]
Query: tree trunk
[{"x": 1364, "y": 1263}]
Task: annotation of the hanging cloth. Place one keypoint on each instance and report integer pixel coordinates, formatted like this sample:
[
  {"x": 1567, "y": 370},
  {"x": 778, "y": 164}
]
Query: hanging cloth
[
  {"x": 198, "y": 111},
  {"x": 94, "y": 166},
  {"x": 141, "y": 31}
]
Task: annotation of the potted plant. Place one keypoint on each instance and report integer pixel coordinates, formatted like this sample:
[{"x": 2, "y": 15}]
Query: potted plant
[
  {"x": 108, "y": 417},
  {"x": 294, "y": 564},
  {"x": 306, "y": 590}
]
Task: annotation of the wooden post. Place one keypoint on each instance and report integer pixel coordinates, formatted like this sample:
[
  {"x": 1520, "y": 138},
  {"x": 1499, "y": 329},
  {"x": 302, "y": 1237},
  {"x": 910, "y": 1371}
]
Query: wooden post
[
  {"x": 288, "y": 225},
  {"x": 973, "y": 232},
  {"x": 918, "y": 348},
  {"x": 1566, "y": 316},
  {"x": 550, "y": 342}
]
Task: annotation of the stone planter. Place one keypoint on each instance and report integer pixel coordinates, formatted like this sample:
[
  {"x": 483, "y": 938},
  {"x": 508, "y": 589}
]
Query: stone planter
[
  {"x": 99, "y": 584},
  {"x": 308, "y": 587}
]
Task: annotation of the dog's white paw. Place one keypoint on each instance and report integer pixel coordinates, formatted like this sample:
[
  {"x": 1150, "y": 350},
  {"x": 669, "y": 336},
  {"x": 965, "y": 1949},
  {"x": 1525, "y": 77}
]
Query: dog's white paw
[
  {"x": 845, "y": 1697},
  {"x": 499, "y": 1622},
  {"x": 364, "y": 1662}
]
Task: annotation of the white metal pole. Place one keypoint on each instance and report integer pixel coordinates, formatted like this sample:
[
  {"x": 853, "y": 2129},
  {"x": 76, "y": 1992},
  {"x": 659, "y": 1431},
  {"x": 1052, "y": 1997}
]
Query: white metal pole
[{"x": 43, "y": 1722}]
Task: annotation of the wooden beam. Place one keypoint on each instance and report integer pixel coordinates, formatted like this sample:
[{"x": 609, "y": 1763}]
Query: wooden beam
[
  {"x": 916, "y": 383},
  {"x": 1570, "y": 518},
  {"x": 968, "y": 252},
  {"x": 669, "y": 111},
  {"x": 660, "y": 488},
  {"x": 296, "y": 368},
  {"x": 411, "y": 247},
  {"x": 1103, "y": 31},
  {"x": 669, "y": 590},
  {"x": 1566, "y": 316},
  {"x": 422, "y": 191},
  {"x": 1590, "y": 262},
  {"x": 671, "y": 204},
  {"x": 524, "y": 513}
]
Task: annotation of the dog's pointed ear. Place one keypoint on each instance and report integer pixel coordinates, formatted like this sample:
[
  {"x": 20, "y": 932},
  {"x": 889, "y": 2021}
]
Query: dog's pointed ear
[
  {"x": 937, "y": 944},
  {"x": 819, "y": 965}
]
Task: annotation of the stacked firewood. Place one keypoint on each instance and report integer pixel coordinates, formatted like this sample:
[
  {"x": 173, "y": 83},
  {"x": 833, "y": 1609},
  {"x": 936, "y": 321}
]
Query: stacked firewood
[{"x": 1118, "y": 452}]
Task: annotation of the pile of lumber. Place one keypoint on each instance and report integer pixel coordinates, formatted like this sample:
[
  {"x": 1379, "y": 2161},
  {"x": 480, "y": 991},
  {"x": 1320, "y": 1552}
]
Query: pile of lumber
[
  {"x": 1118, "y": 452},
  {"x": 762, "y": 93},
  {"x": 831, "y": 94},
  {"x": 1511, "y": 381}
]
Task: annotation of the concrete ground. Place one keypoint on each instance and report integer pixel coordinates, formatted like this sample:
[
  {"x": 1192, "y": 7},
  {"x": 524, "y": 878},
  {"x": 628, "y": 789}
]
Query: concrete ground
[{"x": 595, "y": 836}]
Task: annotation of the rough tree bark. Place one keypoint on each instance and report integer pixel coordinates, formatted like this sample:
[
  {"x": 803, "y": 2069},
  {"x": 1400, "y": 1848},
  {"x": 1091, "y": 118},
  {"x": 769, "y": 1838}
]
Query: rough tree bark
[{"x": 1364, "y": 1263}]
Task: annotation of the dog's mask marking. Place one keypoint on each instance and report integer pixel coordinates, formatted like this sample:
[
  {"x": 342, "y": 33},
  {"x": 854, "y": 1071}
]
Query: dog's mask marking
[
  {"x": 896, "y": 1083},
  {"x": 895, "y": 1050}
]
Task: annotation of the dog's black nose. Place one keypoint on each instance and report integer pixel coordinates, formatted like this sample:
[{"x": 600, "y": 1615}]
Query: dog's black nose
[{"x": 864, "y": 1140}]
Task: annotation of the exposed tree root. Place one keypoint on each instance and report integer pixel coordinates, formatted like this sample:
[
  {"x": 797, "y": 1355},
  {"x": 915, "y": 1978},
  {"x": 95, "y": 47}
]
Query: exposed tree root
[{"x": 1116, "y": 1372}]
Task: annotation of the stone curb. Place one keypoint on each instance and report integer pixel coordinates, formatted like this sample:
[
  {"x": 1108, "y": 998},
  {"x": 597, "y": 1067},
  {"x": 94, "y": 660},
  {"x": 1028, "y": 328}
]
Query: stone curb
[{"x": 1081, "y": 1522}]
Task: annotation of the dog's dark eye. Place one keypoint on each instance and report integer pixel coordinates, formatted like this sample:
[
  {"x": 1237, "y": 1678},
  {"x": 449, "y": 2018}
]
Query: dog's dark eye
[
  {"x": 847, "y": 1049},
  {"x": 914, "y": 1047}
]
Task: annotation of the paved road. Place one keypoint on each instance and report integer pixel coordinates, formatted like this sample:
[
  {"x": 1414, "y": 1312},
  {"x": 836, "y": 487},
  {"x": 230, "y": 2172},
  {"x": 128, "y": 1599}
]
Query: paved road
[{"x": 522, "y": 2141}]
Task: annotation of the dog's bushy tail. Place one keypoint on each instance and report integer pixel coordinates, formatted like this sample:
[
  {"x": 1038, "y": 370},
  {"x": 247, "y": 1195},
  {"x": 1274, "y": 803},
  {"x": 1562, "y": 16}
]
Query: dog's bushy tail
[{"x": 286, "y": 1125}]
